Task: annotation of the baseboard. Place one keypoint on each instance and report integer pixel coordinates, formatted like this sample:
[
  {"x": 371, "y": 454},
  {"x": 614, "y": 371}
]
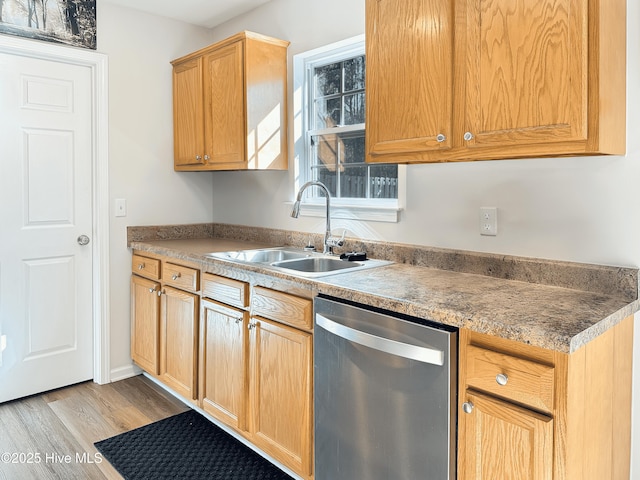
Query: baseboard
[{"x": 127, "y": 371}]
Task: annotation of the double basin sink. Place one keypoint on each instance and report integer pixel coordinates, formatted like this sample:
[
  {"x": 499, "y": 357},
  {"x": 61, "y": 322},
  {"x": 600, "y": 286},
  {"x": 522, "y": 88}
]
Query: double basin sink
[{"x": 297, "y": 262}]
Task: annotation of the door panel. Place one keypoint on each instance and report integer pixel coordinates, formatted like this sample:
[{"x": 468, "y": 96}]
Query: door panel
[
  {"x": 504, "y": 441},
  {"x": 225, "y": 131},
  {"x": 280, "y": 392},
  {"x": 179, "y": 341},
  {"x": 409, "y": 51},
  {"x": 510, "y": 97},
  {"x": 46, "y": 316},
  {"x": 49, "y": 168},
  {"x": 187, "y": 114},
  {"x": 224, "y": 377}
]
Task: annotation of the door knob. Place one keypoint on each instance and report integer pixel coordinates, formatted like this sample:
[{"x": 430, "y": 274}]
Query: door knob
[{"x": 83, "y": 240}]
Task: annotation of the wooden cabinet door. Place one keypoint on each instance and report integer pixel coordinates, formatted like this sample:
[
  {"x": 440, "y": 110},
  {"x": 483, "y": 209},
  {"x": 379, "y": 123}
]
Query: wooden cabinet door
[
  {"x": 525, "y": 72},
  {"x": 179, "y": 341},
  {"x": 145, "y": 323},
  {"x": 501, "y": 440},
  {"x": 225, "y": 117},
  {"x": 280, "y": 393},
  {"x": 409, "y": 81},
  {"x": 188, "y": 121},
  {"x": 223, "y": 372},
  {"x": 490, "y": 79}
]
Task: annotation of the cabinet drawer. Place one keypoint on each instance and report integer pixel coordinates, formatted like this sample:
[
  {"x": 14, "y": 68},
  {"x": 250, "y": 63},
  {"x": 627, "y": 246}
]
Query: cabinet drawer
[
  {"x": 178, "y": 276},
  {"x": 282, "y": 307},
  {"x": 523, "y": 381},
  {"x": 225, "y": 290},
  {"x": 146, "y": 267}
]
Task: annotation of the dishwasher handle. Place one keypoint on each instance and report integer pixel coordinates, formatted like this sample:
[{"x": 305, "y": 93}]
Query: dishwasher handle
[{"x": 392, "y": 347}]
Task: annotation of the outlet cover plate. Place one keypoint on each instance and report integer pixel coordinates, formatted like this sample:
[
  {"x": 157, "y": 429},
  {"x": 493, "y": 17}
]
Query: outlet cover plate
[{"x": 488, "y": 221}]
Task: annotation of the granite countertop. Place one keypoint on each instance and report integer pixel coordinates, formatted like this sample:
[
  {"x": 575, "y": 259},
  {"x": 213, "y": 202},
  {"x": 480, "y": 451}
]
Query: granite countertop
[{"x": 548, "y": 316}]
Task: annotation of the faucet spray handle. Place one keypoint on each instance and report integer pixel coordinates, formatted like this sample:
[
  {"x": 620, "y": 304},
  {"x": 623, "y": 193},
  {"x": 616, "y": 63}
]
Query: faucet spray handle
[{"x": 337, "y": 242}]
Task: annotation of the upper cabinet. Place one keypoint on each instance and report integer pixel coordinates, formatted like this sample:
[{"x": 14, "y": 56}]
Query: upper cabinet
[
  {"x": 490, "y": 79},
  {"x": 230, "y": 105}
]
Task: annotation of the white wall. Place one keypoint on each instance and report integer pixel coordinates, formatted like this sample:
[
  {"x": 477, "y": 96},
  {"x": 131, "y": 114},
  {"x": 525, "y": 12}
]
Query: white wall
[
  {"x": 140, "y": 48},
  {"x": 577, "y": 209}
]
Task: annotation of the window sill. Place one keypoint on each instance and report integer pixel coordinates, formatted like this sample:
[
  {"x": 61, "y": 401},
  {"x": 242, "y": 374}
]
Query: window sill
[{"x": 389, "y": 214}]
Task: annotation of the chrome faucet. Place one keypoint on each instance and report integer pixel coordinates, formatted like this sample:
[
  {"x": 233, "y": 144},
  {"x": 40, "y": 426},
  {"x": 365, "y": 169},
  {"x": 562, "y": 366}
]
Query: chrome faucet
[{"x": 329, "y": 241}]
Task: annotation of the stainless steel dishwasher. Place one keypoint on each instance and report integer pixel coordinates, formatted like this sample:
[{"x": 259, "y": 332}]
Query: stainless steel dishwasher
[{"x": 384, "y": 395}]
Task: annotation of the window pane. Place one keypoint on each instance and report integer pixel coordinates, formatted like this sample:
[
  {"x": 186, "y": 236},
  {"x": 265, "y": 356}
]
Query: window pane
[
  {"x": 353, "y": 181},
  {"x": 327, "y": 112},
  {"x": 326, "y": 149},
  {"x": 354, "y": 70},
  {"x": 353, "y": 148},
  {"x": 326, "y": 176},
  {"x": 328, "y": 80},
  {"x": 338, "y": 159},
  {"x": 354, "y": 109},
  {"x": 383, "y": 181}
]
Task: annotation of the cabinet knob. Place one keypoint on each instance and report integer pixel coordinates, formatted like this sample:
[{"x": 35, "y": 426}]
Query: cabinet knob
[
  {"x": 141, "y": 266},
  {"x": 502, "y": 379},
  {"x": 206, "y": 157},
  {"x": 252, "y": 325},
  {"x": 238, "y": 320},
  {"x": 151, "y": 290},
  {"x": 198, "y": 158},
  {"x": 175, "y": 276},
  {"x": 467, "y": 407},
  {"x": 468, "y": 136},
  {"x": 441, "y": 138},
  {"x": 159, "y": 293}
]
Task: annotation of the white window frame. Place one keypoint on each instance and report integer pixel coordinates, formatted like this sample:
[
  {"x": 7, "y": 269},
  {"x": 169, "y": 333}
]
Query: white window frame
[{"x": 371, "y": 209}]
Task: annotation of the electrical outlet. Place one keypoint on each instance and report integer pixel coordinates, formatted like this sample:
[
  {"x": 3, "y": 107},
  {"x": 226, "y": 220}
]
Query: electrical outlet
[{"x": 488, "y": 221}]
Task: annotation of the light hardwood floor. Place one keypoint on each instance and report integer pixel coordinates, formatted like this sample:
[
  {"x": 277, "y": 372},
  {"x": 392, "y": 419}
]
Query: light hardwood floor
[{"x": 51, "y": 436}]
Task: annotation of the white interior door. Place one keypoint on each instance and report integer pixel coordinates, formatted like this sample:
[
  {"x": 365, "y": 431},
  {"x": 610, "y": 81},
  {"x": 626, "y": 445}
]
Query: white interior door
[{"x": 46, "y": 323}]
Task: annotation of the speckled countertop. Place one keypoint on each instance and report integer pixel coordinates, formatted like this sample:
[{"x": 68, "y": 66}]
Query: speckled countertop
[{"x": 555, "y": 305}]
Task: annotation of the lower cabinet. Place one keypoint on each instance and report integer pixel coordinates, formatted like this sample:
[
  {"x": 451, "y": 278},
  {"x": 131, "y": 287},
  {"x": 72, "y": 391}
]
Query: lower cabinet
[
  {"x": 505, "y": 441},
  {"x": 280, "y": 392},
  {"x": 526, "y": 413},
  {"x": 256, "y": 367},
  {"x": 145, "y": 324},
  {"x": 179, "y": 341},
  {"x": 223, "y": 364},
  {"x": 165, "y": 309}
]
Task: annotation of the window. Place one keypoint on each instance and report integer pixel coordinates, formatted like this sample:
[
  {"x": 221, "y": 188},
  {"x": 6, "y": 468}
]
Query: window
[{"x": 333, "y": 129}]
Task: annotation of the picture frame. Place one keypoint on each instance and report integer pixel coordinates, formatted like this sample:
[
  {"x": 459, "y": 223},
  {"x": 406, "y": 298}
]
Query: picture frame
[{"x": 71, "y": 22}]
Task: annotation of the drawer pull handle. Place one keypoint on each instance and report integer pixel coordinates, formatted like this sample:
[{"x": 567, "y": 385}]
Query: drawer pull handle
[
  {"x": 175, "y": 276},
  {"x": 502, "y": 379},
  {"x": 467, "y": 407},
  {"x": 141, "y": 266}
]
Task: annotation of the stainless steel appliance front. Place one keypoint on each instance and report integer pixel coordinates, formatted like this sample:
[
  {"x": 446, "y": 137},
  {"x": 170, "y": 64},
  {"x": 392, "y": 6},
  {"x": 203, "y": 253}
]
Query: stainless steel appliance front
[{"x": 384, "y": 396}]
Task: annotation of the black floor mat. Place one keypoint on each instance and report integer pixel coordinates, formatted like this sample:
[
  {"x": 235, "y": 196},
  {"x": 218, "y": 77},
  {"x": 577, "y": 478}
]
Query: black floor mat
[{"x": 185, "y": 446}]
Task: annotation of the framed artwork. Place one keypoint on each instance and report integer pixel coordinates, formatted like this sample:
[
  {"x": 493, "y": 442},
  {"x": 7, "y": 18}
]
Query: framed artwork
[{"x": 72, "y": 22}]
